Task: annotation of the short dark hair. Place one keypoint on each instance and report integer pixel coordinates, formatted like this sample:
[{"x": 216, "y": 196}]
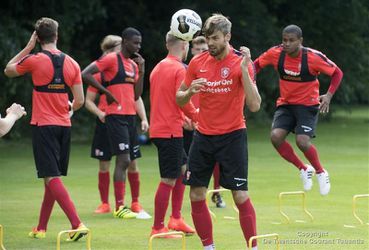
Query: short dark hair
[
  {"x": 292, "y": 28},
  {"x": 130, "y": 32},
  {"x": 46, "y": 30}
]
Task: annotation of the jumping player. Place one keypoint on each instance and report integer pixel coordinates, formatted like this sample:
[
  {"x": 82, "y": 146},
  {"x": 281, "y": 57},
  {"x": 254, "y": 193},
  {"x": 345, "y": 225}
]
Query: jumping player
[{"x": 299, "y": 102}]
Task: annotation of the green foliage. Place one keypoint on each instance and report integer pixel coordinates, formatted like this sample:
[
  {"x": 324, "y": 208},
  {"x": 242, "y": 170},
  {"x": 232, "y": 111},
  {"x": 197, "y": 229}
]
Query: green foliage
[{"x": 338, "y": 28}]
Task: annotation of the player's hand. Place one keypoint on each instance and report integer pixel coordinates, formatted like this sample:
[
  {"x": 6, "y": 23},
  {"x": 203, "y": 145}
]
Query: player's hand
[
  {"x": 17, "y": 110},
  {"x": 71, "y": 112},
  {"x": 32, "y": 41},
  {"x": 246, "y": 56},
  {"x": 110, "y": 98},
  {"x": 140, "y": 62},
  {"x": 144, "y": 126},
  {"x": 197, "y": 85},
  {"x": 325, "y": 100},
  {"x": 187, "y": 124},
  {"x": 101, "y": 116}
]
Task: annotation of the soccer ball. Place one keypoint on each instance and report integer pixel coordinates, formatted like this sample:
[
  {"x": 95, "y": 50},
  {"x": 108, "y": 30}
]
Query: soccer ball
[{"x": 185, "y": 24}]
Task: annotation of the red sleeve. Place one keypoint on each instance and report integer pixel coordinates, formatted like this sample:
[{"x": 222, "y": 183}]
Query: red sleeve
[
  {"x": 25, "y": 65},
  {"x": 336, "y": 80},
  {"x": 104, "y": 63},
  {"x": 180, "y": 76},
  {"x": 257, "y": 66},
  {"x": 77, "y": 76},
  {"x": 190, "y": 73},
  {"x": 269, "y": 57},
  {"x": 318, "y": 62}
]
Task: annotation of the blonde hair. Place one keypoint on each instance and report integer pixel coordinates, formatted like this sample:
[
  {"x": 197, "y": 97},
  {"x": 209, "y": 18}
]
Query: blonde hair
[
  {"x": 217, "y": 22},
  {"x": 110, "y": 42}
]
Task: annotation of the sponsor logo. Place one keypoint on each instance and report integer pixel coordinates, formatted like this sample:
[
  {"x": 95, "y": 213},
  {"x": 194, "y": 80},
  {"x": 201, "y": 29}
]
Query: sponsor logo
[
  {"x": 123, "y": 146},
  {"x": 203, "y": 70},
  {"x": 98, "y": 152},
  {"x": 224, "y": 72},
  {"x": 291, "y": 73},
  {"x": 306, "y": 128},
  {"x": 239, "y": 179},
  {"x": 240, "y": 184}
]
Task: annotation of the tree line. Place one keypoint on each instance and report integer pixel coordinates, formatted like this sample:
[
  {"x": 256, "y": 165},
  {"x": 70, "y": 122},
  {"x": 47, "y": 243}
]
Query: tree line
[{"x": 338, "y": 28}]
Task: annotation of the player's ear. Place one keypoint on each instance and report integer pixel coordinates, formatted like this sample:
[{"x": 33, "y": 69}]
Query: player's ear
[{"x": 228, "y": 37}]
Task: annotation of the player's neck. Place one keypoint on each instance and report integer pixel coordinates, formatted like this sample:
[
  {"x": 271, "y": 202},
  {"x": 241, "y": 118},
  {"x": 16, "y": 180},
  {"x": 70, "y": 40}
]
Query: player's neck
[
  {"x": 49, "y": 46},
  {"x": 176, "y": 54},
  {"x": 125, "y": 53}
]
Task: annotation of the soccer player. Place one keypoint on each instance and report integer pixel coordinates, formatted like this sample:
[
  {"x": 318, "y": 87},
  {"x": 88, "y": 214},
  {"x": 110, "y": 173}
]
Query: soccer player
[
  {"x": 124, "y": 79},
  {"x": 199, "y": 45},
  {"x": 52, "y": 73},
  {"x": 13, "y": 113},
  {"x": 166, "y": 120},
  {"x": 299, "y": 102},
  {"x": 224, "y": 79},
  {"x": 100, "y": 146}
]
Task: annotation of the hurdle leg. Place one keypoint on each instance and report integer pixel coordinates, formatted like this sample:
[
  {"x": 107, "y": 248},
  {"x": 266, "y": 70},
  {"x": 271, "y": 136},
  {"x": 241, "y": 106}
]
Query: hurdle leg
[
  {"x": 209, "y": 193},
  {"x": 88, "y": 237},
  {"x": 1, "y": 238},
  {"x": 354, "y": 200},
  {"x": 265, "y": 236},
  {"x": 296, "y": 193},
  {"x": 181, "y": 234}
]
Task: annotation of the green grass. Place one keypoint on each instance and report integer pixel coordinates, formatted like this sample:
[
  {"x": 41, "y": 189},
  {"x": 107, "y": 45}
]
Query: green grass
[{"x": 343, "y": 146}]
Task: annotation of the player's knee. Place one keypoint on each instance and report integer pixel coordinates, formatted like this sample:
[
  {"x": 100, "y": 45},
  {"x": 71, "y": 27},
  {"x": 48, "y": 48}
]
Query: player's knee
[
  {"x": 303, "y": 142},
  {"x": 239, "y": 196},
  {"x": 276, "y": 138},
  {"x": 197, "y": 193}
]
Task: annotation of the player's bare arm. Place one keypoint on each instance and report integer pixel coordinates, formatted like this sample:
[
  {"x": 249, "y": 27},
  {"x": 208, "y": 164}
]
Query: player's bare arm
[
  {"x": 140, "y": 61},
  {"x": 91, "y": 106},
  {"x": 185, "y": 93},
  {"x": 87, "y": 77},
  {"x": 140, "y": 109},
  {"x": 253, "y": 99},
  {"x": 10, "y": 69},
  {"x": 78, "y": 96}
]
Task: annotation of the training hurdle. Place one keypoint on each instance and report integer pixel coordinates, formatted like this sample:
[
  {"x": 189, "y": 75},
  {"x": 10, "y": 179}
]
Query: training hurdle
[
  {"x": 180, "y": 234},
  {"x": 209, "y": 193},
  {"x": 303, "y": 205},
  {"x": 1, "y": 237},
  {"x": 88, "y": 237},
  {"x": 354, "y": 208},
  {"x": 266, "y": 236}
]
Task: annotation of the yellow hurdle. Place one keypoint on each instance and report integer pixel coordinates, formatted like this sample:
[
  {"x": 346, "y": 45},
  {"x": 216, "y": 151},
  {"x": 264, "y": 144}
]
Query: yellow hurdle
[
  {"x": 354, "y": 200},
  {"x": 303, "y": 204},
  {"x": 182, "y": 234},
  {"x": 1, "y": 238},
  {"x": 264, "y": 236},
  {"x": 209, "y": 193},
  {"x": 88, "y": 237}
]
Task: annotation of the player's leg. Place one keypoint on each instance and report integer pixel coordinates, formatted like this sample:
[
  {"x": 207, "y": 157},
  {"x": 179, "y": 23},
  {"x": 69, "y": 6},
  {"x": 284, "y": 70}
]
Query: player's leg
[
  {"x": 101, "y": 151},
  {"x": 233, "y": 157},
  {"x": 118, "y": 134},
  {"x": 199, "y": 170},
  {"x": 170, "y": 161},
  {"x": 133, "y": 171},
  {"x": 176, "y": 221},
  {"x": 51, "y": 150},
  {"x": 305, "y": 130},
  {"x": 284, "y": 121}
]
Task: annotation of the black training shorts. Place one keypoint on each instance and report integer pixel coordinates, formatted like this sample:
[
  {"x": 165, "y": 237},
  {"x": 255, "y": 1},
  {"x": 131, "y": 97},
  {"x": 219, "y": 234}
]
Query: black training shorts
[
  {"x": 51, "y": 147},
  {"x": 229, "y": 150},
  {"x": 298, "y": 119}
]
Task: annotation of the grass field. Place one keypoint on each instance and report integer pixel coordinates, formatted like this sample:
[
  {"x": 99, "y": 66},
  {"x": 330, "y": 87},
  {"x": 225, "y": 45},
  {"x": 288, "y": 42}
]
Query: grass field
[{"x": 344, "y": 148}]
